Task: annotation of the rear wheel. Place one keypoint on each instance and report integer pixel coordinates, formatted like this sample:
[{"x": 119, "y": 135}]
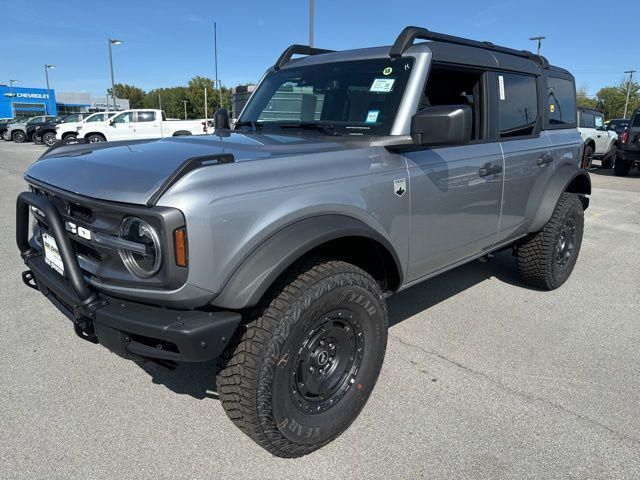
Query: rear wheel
[
  {"x": 546, "y": 258},
  {"x": 621, "y": 168},
  {"x": 95, "y": 138},
  {"x": 70, "y": 137},
  {"x": 49, "y": 139},
  {"x": 302, "y": 368},
  {"x": 5, "y": 136}
]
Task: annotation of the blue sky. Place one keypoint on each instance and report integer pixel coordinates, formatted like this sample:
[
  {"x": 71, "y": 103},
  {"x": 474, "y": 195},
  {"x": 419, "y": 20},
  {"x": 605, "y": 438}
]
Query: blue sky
[{"x": 168, "y": 42}]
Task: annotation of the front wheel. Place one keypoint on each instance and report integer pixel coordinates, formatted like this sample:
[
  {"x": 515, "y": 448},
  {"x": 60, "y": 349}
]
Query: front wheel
[
  {"x": 610, "y": 160},
  {"x": 18, "y": 136},
  {"x": 5, "y": 136},
  {"x": 301, "y": 370},
  {"x": 546, "y": 258},
  {"x": 49, "y": 139}
]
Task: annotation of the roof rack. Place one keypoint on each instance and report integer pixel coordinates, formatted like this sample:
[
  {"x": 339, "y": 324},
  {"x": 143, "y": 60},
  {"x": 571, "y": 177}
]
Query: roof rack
[
  {"x": 409, "y": 34},
  {"x": 298, "y": 50}
]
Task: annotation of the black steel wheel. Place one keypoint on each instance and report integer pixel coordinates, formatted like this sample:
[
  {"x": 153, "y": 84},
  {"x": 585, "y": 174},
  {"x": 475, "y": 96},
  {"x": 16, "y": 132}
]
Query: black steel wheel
[{"x": 305, "y": 364}]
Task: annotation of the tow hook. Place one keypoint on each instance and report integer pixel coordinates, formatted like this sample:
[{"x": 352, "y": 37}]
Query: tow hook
[
  {"x": 84, "y": 329},
  {"x": 29, "y": 280}
]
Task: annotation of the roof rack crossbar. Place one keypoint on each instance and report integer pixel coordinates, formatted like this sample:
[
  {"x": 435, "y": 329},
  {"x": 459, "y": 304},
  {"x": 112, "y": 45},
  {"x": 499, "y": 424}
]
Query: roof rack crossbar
[
  {"x": 298, "y": 50},
  {"x": 409, "y": 34}
]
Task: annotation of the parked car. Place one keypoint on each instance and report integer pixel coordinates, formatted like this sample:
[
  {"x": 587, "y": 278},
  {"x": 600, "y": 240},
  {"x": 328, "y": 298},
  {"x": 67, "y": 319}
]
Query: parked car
[
  {"x": 17, "y": 131},
  {"x": 618, "y": 125},
  {"x": 140, "y": 124},
  {"x": 599, "y": 143},
  {"x": 629, "y": 147},
  {"x": 69, "y": 130},
  {"x": 4, "y": 126},
  {"x": 34, "y": 130},
  {"x": 46, "y": 132},
  {"x": 349, "y": 176}
]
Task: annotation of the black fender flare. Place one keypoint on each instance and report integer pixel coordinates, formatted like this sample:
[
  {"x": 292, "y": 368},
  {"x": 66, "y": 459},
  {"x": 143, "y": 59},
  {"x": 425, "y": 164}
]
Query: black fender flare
[
  {"x": 257, "y": 272},
  {"x": 563, "y": 178},
  {"x": 182, "y": 133}
]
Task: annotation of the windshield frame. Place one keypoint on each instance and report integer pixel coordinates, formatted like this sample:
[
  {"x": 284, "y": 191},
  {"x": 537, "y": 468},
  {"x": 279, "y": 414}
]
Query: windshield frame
[{"x": 394, "y": 124}]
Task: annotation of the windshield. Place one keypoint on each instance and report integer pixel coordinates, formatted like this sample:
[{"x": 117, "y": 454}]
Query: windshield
[
  {"x": 72, "y": 118},
  {"x": 96, "y": 117},
  {"x": 348, "y": 98},
  {"x": 59, "y": 118}
]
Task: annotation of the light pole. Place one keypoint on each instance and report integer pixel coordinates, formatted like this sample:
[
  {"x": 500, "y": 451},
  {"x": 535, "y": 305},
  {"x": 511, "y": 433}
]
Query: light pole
[
  {"x": 539, "y": 40},
  {"x": 46, "y": 76},
  {"x": 185, "y": 108},
  {"x": 311, "y": 23},
  {"x": 626, "y": 105},
  {"x": 113, "y": 83}
]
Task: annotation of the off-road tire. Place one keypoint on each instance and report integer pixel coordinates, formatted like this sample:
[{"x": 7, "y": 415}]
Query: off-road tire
[
  {"x": 587, "y": 157},
  {"x": 610, "y": 160},
  {"x": 621, "y": 168},
  {"x": 18, "y": 136},
  {"x": 257, "y": 372},
  {"x": 541, "y": 255}
]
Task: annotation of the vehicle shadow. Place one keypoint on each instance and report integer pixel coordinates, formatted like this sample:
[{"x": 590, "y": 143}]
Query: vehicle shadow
[{"x": 198, "y": 379}]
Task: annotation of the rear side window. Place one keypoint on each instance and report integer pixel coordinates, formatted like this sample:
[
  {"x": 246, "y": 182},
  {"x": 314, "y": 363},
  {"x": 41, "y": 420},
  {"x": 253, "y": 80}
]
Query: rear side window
[
  {"x": 518, "y": 105},
  {"x": 587, "y": 120},
  {"x": 561, "y": 101},
  {"x": 146, "y": 116},
  {"x": 636, "y": 120}
]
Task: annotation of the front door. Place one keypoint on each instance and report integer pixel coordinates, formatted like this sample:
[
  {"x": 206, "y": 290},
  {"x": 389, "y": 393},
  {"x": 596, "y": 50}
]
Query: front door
[{"x": 122, "y": 127}]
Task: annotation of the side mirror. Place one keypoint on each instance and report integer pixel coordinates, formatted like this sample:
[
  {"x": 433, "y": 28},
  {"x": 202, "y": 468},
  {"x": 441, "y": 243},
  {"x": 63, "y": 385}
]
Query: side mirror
[
  {"x": 221, "y": 119},
  {"x": 112, "y": 123},
  {"x": 442, "y": 125}
]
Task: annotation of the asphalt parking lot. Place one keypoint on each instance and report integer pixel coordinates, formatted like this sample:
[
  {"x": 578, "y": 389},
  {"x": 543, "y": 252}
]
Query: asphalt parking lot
[{"x": 483, "y": 378}]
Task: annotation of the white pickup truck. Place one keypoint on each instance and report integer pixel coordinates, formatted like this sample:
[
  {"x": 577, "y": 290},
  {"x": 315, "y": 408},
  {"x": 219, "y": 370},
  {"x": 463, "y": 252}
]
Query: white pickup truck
[
  {"x": 65, "y": 131},
  {"x": 140, "y": 123}
]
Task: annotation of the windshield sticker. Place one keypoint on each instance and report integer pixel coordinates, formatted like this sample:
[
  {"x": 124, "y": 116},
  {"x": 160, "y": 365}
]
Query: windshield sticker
[
  {"x": 382, "y": 85},
  {"x": 387, "y": 71},
  {"x": 372, "y": 116}
]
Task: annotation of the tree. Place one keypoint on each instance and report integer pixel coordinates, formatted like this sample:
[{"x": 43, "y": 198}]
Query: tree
[
  {"x": 584, "y": 101},
  {"x": 611, "y": 100},
  {"x": 135, "y": 95}
]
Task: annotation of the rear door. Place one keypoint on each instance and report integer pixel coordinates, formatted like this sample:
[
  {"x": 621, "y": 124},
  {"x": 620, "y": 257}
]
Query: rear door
[
  {"x": 527, "y": 151},
  {"x": 147, "y": 124}
]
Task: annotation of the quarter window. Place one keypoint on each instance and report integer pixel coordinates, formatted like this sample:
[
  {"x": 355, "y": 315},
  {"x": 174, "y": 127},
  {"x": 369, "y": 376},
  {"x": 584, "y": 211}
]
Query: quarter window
[
  {"x": 561, "y": 101},
  {"x": 518, "y": 105}
]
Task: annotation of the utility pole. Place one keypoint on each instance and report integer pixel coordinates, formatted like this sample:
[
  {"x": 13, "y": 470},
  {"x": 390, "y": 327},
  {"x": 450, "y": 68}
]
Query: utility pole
[
  {"x": 539, "y": 40},
  {"x": 215, "y": 57},
  {"x": 185, "y": 109},
  {"x": 311, "y": 23},
  {"x": 626, "y": 105},
  {"x": 159, "y": 101}
]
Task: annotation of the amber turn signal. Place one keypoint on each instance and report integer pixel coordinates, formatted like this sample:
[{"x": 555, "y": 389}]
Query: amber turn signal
[{"x": 180, "y": 247}]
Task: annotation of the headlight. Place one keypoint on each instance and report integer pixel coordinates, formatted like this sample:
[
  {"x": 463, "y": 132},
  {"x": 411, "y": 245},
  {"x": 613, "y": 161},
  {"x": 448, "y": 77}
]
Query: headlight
[{"x": 138, "y": 231}]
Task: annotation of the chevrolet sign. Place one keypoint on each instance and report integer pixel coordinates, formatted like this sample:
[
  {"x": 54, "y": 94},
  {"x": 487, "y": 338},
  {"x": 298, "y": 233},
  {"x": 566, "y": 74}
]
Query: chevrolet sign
[{"x": 43, "y": 96}]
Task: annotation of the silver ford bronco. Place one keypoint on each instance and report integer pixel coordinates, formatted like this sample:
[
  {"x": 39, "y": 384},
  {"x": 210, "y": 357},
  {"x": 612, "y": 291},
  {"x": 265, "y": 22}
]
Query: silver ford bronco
[{"x": 272, "y": 245}]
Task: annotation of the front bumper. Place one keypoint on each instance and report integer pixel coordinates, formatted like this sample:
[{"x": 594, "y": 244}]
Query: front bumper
[{"x": 132, "y": 330}]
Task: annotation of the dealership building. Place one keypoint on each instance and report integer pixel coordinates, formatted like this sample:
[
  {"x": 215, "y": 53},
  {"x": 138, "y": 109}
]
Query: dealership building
[{"x": 29, "y": 102}]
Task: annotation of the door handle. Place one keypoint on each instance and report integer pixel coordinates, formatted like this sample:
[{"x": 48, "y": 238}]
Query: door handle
[
  {"x": 599, "y": 136},
  {"x": 489, "y": 169},
  {"x": 543, "y": 160}
]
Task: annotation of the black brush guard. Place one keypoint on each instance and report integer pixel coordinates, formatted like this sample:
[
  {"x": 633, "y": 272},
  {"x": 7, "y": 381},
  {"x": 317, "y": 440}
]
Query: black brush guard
[{"x": 132, "y": 330}]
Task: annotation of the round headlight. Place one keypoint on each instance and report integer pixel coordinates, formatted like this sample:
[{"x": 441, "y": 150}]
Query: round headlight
[{"x": 143, "y": 265}]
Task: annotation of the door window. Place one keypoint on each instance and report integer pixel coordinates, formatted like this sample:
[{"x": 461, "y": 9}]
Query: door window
[
  {"x": 517, "y": 104},
  {"x": 587, "y": 120},
  {"x": 456, "y": 86},
  {"x": 126, "y": 117},
  {"x": 147, "y": 116}
]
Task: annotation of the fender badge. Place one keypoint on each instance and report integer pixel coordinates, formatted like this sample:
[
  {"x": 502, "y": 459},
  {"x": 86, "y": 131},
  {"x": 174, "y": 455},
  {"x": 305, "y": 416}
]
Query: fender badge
[{"x": 400, "y": 186}]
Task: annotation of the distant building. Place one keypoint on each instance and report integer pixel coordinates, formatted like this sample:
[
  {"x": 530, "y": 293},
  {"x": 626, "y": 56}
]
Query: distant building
[{"x": 29, "y": 102}]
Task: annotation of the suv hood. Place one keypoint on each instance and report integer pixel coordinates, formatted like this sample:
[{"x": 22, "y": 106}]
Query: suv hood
[{"x": 132, "y": 171}]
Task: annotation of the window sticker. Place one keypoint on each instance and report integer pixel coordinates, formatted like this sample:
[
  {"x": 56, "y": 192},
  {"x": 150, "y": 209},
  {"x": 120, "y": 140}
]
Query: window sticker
[
  {"x": 372, "y": 116},
  {"x": 382, "y": 85},
  {"x": 501, "y": 87},
  {"x": 552, "y": 107},
  {"x": 387, "y": 71}
]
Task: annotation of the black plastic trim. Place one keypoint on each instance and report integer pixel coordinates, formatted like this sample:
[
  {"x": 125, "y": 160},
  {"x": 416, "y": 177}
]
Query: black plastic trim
[
  {"x": 297, "y": 50},
  {"x": 410, "y": 34}
]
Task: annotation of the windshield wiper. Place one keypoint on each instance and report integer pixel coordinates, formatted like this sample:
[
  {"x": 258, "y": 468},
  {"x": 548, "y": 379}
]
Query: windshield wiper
[{"x": 324, "y": 128}]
